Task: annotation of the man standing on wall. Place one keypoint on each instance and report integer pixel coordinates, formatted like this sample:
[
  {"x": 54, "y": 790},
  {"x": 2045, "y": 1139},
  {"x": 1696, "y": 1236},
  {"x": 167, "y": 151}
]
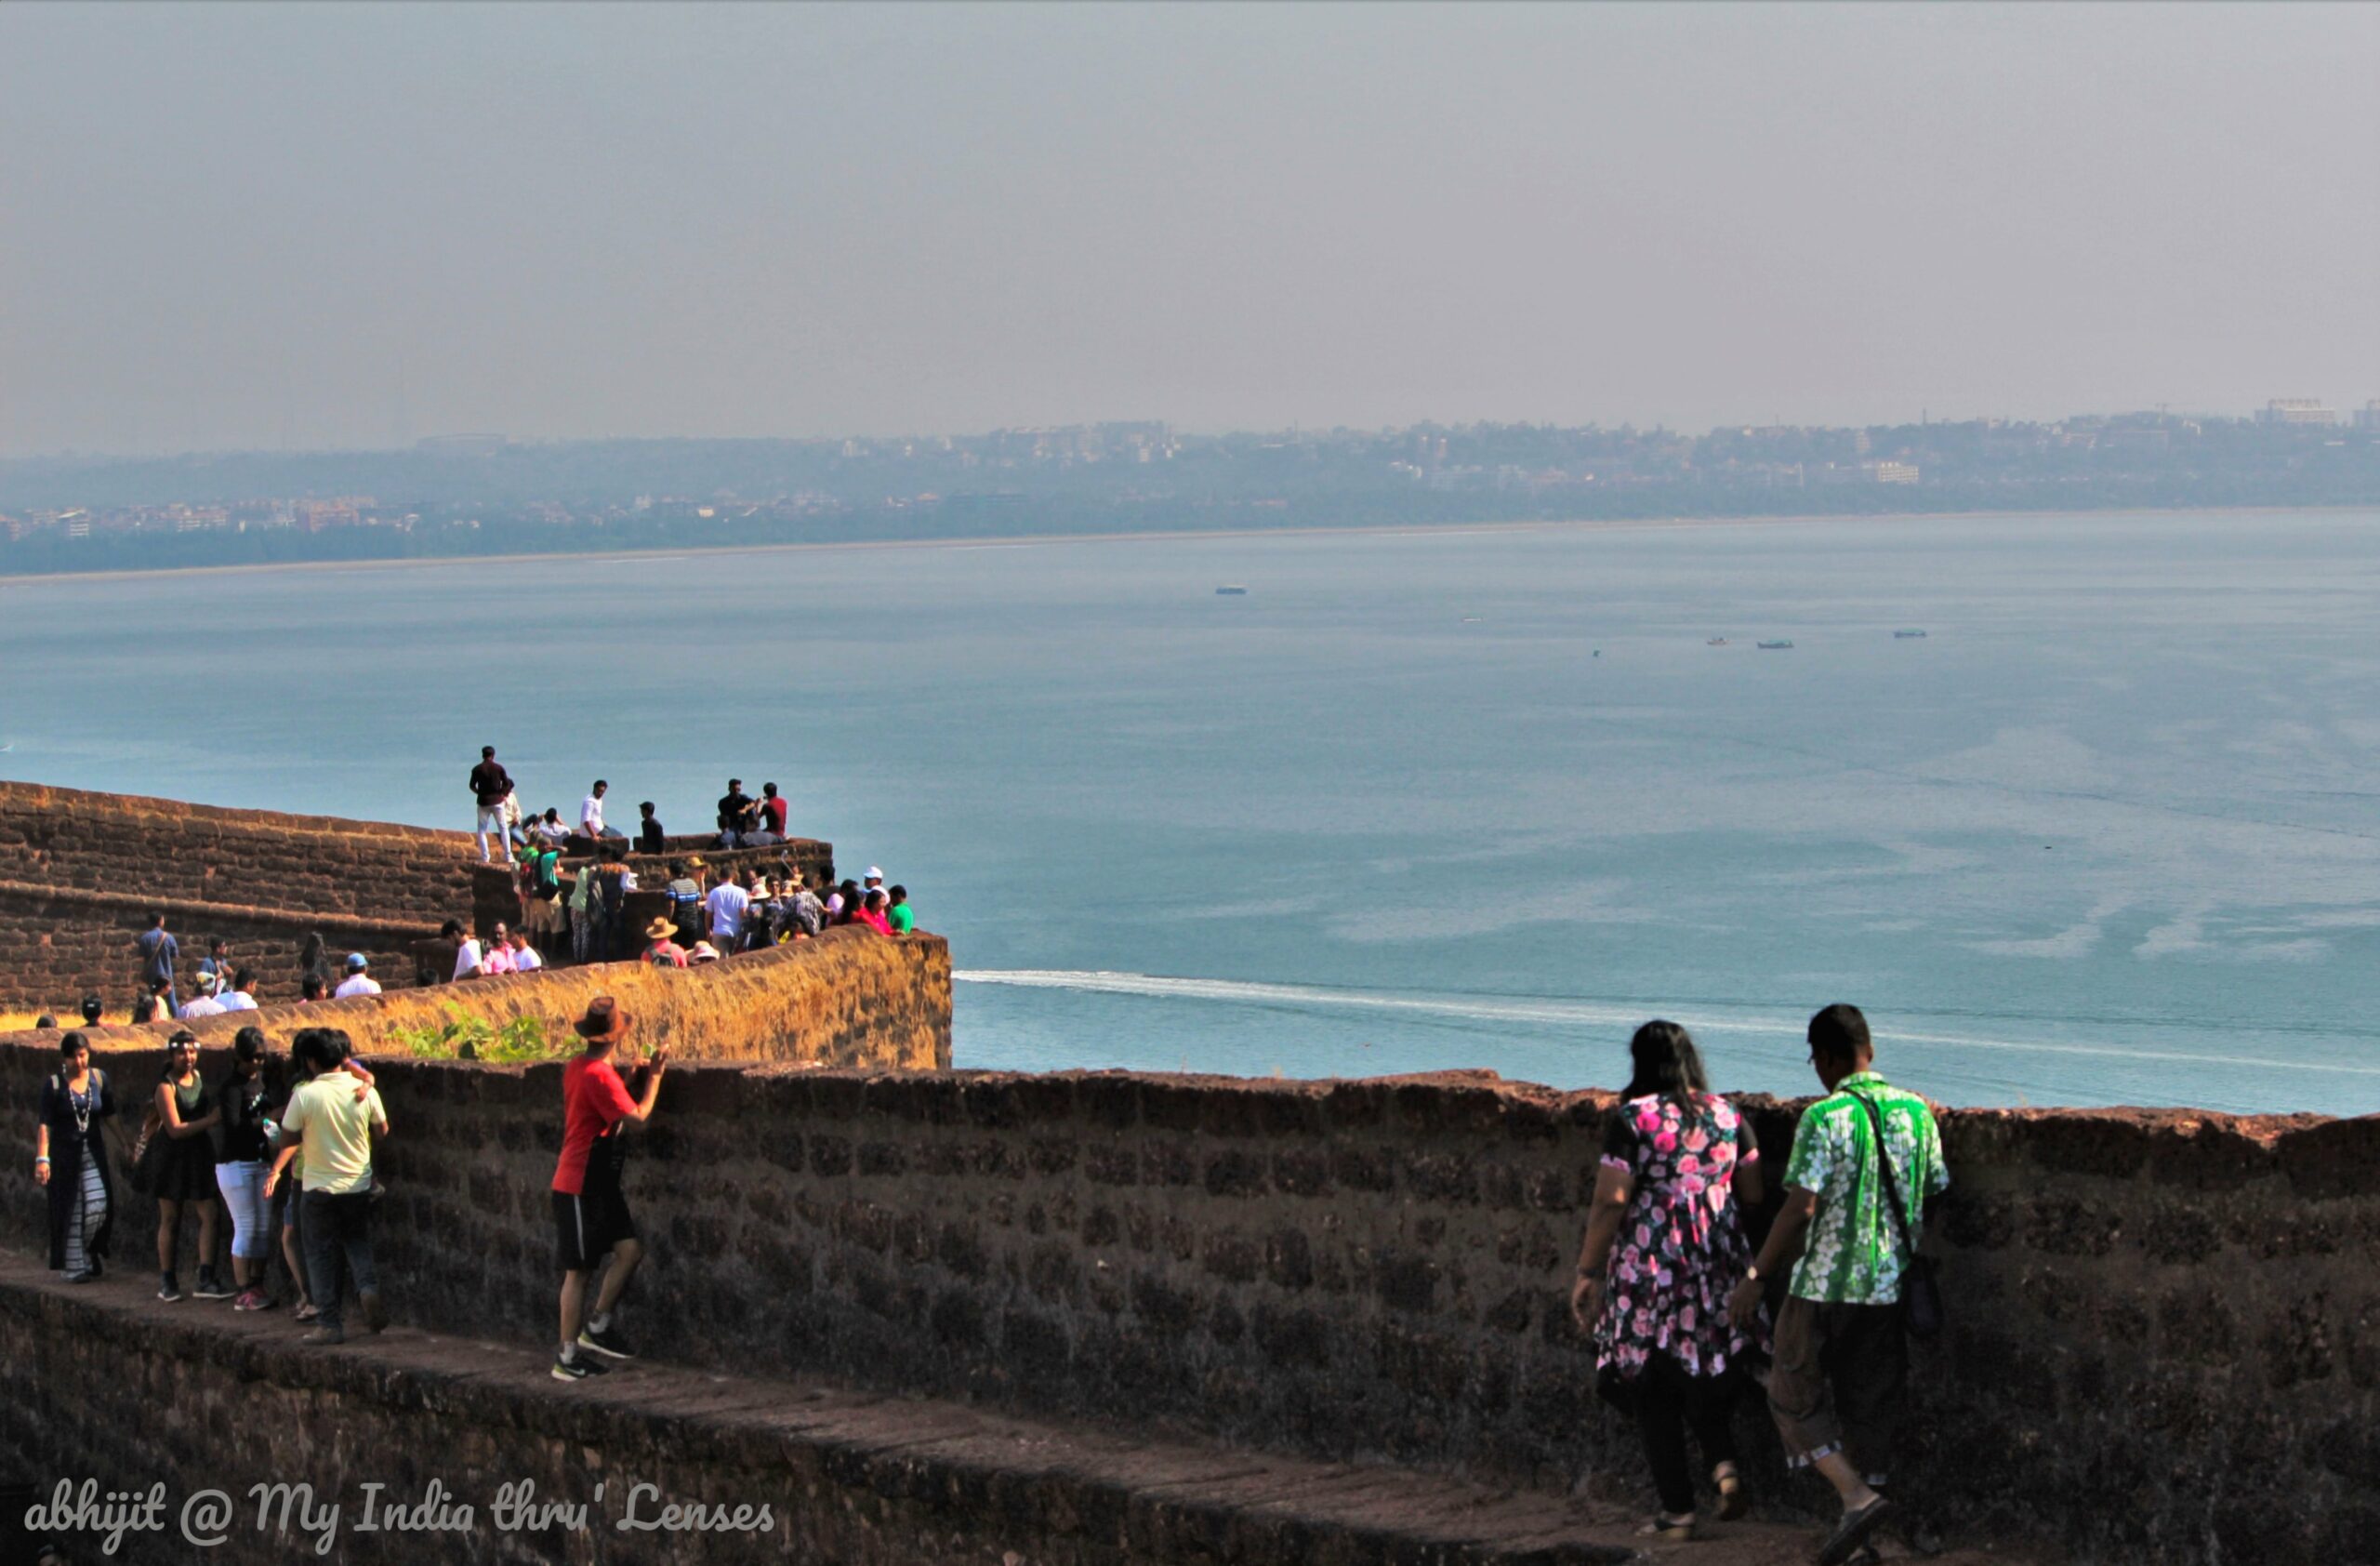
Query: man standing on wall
[
  {"x": 159, "y": 952},
  {"x": 590, "y": 1212},
  {"x": 1842, "y": 1367},
  {"x": 491, "y": 786}
]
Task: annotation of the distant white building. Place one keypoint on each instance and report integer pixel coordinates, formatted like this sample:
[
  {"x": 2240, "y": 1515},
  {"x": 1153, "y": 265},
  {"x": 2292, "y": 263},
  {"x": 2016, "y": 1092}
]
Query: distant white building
[
  {"x": 1889, "y": 472},
  {"x": 2296, "y": 410},
  {"x": 2368, "y": 416}
]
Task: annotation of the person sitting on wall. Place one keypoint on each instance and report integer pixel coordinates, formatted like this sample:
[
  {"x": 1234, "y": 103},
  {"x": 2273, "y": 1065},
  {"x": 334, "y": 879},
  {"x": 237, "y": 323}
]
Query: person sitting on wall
[
  {"x": 1842, "y": 1368},
  {"x": 650, "y": 837},
  {"x": 159, "y": 952},
  {"x": 664, "y": 951},
  {"x": 590, "y": 1210},
  {"x": 772, "y": 811},
  {"x": 358, "y": 981},
  {"x": 491, "y": 786},
  {"x": 91, "y": 1009},
  {"x": 204, "y": 1004},
  {"x": 590, "y": 813},
  {"x": 549, "y": 829},
  {"x": 871, "y": 912},
  {"x": 896, "y": 912},
  {"x": 738, "y": 813},
  {"x": 239, "y": 997}
]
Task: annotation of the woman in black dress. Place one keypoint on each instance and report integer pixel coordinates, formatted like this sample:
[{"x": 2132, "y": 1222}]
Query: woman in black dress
[
  {"x": 71, "y": 1159},
  {"x": 185, "y": 1112}
]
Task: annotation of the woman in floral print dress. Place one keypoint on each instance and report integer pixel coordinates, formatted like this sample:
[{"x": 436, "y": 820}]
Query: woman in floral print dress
[{"x": 1664, "y": 1249}]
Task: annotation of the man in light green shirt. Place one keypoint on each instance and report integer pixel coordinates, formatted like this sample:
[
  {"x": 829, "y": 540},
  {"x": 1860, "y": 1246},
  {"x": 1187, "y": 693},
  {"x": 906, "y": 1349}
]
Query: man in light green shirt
[
  {"x": 1842, "y": 1350},
  {"x": 333, "y": 1118}
]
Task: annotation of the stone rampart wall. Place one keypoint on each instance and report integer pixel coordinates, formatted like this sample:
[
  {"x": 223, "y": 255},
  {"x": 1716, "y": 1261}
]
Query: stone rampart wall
[
  {"x": 80, "y": 873},
  {"x": 2166, "y": 1326}
]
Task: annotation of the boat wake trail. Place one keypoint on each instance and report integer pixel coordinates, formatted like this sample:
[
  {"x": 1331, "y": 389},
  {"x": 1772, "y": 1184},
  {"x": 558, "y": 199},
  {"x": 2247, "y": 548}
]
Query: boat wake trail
[{"x": 1566, "y": 1012}]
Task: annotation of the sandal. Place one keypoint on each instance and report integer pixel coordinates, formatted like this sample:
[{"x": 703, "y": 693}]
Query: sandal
[
  {"x": 1853, "y": 1532},
  {"x": 1734, "y": 1500},
  {"x": 307, "y": 1312},
  {"x": 1664, "y": 1526}
]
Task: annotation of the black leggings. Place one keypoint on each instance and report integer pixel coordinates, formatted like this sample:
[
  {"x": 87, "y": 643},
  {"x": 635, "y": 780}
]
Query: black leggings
[{"x": 1667, "y": 1401}]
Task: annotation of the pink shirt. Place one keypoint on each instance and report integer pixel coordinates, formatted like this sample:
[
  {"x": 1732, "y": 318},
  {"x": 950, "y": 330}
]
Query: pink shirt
[{"x": 498, "y": 959}]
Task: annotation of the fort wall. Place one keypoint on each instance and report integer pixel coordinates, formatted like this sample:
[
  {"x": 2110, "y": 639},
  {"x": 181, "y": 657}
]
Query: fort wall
[
  {"x": 80, "y": 873},
  {"x": 2165, "y": 1326}
]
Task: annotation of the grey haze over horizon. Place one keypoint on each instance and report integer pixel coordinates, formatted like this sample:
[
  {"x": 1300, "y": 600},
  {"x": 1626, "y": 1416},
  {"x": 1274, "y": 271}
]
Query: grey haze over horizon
[{"x": 347, "y": 226}]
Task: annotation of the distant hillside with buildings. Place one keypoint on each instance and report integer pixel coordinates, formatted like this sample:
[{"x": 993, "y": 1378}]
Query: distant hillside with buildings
[{"x": 481, "y": 494}]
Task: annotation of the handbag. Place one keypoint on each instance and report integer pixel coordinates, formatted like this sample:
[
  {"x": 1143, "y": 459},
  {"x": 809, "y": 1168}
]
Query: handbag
[
  {"x": 149, "y": 1156},
  {"x": 1921, "y": 1291}
]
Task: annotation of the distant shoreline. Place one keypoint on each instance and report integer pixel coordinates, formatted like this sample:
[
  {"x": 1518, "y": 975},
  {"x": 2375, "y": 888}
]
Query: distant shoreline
[{"x": 1582, "y": 525}]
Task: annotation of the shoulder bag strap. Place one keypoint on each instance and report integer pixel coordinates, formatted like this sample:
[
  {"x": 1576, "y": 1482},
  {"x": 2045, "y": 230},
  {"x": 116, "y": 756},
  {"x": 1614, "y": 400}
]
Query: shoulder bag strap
[{"x": 1884, "y": 1163}]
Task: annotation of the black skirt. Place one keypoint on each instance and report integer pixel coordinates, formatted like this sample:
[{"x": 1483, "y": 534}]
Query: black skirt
[{"x": 186, "y": 1172}]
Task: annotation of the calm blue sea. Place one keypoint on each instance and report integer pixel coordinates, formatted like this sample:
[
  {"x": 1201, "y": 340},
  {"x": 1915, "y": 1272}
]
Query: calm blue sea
[{"x": 2106, "y": 835}]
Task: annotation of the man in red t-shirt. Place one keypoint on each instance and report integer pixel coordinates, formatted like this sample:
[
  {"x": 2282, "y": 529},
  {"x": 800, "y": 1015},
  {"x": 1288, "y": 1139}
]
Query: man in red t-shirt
[
  {"x": 772, "y": 811},
  {"x": 590, "y": 1214}
]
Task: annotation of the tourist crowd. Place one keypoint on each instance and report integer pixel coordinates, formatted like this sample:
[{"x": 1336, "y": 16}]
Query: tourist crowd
[
  {"x": 1684, "y": 1311},
  {"x": 567, "y": 914}
]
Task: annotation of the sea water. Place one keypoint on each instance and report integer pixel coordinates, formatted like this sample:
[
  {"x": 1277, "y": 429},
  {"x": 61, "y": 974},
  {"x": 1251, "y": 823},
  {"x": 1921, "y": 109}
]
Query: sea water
[{"x": 2105, "y": 835}]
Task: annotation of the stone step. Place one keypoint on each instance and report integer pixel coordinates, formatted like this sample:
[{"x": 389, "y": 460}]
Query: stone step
[{"x": 850, "y": 1476}]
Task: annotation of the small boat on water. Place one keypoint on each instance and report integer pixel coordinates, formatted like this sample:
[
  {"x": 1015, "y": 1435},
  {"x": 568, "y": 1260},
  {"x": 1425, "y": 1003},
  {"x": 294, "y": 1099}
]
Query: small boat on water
[
  {"x": 1909, "y": 635},
  {"x": 1772, "y": 646},
  {"x": 1231, "y": 591},
  {"x": 1716, "y": 642}
]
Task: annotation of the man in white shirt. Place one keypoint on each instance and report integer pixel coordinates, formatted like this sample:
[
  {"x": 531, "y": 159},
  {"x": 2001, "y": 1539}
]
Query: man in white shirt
[
  {"x": 204, "y": 1004},
  {"x": 726, "y": 905},
  {"x": 358, "y": 981},
  {"x": 524, "y": 956},
  {"x": 237, "y": 997},
  {"x": 590, "y": 811}
]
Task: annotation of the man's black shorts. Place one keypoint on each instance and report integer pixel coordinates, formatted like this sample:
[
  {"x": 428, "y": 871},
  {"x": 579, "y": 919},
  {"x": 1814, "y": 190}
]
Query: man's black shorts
[{"x": 588, "y": 1224}]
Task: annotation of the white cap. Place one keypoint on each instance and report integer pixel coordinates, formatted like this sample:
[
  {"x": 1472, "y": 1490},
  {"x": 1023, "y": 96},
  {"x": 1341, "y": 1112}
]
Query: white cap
[
  {"x": 873, "y": 874},
  {"x": 206, "y": 981}
]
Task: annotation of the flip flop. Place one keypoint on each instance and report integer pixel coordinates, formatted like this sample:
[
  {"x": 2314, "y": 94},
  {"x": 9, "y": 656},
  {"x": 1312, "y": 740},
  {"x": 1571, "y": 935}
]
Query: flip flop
[
  {"x": 1734, "y": 1500},
  {"x": 1853, "y": 1532}
]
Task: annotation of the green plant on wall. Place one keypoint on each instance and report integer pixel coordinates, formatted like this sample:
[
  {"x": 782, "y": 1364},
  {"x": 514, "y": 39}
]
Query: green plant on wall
[{"x": 465, "y": 1037}]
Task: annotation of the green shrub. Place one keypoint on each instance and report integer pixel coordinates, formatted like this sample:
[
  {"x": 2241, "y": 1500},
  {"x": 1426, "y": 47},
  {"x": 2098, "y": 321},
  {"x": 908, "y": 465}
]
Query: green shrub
[{"x": 465, "y": 1037}]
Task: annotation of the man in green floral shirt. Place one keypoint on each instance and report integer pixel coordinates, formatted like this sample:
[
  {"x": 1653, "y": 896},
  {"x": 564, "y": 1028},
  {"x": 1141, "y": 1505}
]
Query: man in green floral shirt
[{"x": 1842, "y": 1364}]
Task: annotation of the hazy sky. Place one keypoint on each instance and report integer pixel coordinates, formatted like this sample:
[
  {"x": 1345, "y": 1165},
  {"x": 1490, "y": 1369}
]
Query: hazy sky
[{"x": 346, "y": 225}]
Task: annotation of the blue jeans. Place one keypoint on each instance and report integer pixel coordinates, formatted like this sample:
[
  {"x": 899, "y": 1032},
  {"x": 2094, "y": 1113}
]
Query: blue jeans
[{"x": 336, "y": 1227}]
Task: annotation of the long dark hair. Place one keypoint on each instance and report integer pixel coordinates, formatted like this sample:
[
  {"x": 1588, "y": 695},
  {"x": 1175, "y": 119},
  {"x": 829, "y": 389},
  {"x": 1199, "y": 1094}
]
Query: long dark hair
[
  {"x": 1665, "y": 1062},
  {"x": 313, "y": 960}
]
